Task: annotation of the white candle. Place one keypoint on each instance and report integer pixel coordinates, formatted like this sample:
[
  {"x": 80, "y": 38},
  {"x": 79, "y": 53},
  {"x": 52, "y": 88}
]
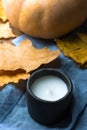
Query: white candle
[{"x": 50, "y": 88}]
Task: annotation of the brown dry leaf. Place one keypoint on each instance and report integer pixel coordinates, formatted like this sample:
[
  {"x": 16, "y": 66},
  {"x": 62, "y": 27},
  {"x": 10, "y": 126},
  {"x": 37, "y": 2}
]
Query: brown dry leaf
[
  {"x": 8, "y": 41},
  {"x": 12, "y": 76},
  {"x": 25, "y": 56},
  {"x": 6, "y": 31},
  {"x": 3, "y": 17},
  {"x": 74, "y": 46}
]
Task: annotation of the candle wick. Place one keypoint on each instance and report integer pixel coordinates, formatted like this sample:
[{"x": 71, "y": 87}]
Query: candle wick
[{"x": 51, "y": 92}]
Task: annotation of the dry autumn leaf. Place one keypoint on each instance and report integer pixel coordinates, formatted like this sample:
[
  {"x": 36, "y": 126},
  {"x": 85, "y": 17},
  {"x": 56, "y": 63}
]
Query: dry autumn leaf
[
  {"x": 83, "y": 36},
  {"x": 6, "y": 31},
  {"x": 79, "y": 56},
  {"x": 25, "y": 56},
  {"x": 6, "y": 41},
  {"x": 75, "y": 47},
  {"x": 70, "y": 43},
  {"x": 3, "y": 17},
  {"x": 12, "y": 76}
]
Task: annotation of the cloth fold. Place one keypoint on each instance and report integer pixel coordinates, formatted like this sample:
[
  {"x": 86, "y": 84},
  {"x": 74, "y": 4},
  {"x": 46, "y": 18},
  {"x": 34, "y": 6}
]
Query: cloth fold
[{"x": 13, "y": 107}]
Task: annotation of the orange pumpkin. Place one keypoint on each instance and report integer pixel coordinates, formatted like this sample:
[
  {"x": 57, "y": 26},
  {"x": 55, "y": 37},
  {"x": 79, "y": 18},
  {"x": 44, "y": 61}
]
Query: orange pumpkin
[{"x": 46, "y": 18}]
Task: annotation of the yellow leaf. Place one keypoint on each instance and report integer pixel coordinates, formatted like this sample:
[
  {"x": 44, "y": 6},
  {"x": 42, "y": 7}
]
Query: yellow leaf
[
  {"x": 74, "y": 46},
  {"x": 6, "y": 31},
  {"x": 2, "y": 14}
]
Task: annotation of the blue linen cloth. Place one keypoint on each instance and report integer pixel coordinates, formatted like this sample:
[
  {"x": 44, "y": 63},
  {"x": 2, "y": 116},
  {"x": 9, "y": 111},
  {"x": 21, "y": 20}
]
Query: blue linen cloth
[{"x": 13, "y": 107}]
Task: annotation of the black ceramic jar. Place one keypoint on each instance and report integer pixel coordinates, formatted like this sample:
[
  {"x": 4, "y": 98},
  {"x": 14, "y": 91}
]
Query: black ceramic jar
[{"x": 44, "y": 111}]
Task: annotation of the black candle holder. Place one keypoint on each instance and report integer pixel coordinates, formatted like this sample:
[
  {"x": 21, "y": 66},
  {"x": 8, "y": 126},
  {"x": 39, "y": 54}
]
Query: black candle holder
[{"x": 48, "y": 112}]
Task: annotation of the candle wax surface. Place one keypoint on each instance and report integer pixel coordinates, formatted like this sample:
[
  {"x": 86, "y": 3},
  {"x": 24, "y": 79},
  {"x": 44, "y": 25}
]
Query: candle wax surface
[{"x": 50, "y": 88}]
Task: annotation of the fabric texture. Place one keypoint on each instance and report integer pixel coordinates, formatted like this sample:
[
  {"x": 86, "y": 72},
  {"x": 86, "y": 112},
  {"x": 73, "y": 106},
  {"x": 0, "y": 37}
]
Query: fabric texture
[{"x": 13, "y": 107}]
